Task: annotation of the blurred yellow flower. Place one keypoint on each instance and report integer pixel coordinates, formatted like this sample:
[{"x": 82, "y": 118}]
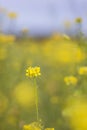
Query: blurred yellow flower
[
  {"x": 70, "y": 80},
  {"x": 33, "y": 72},
  {"x": 24, "y": 94},
  {"x": 68, "y": 52},
  {"x": 32, "y": 126},
  {"x": 78, "y": 20},
  {"x": 28, "y": 127},
  {"x": 82, "y": 70},
  {"x": 76, "y": 111},
  {"x": 12, "y": 15}
]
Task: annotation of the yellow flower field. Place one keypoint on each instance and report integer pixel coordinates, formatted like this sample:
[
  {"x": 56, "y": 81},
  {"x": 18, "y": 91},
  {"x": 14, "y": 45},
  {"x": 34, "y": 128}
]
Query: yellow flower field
[{"x": 57, "y": 65}]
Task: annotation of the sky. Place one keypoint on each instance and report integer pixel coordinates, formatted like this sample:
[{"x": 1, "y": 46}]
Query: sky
[{"x": 46, "y": 15}]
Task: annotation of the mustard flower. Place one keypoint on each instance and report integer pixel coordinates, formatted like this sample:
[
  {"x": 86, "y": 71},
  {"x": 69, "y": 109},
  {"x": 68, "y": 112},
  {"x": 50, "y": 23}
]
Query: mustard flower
[
  {"x": 70, "y": 80},
  {"x": 30, "y": 127},
  {"x": 33, "y": 72},
  {"x": 82, "y": 70},
  {"x": 26, "y": 127},
  {"x": 33, "y": 126}
]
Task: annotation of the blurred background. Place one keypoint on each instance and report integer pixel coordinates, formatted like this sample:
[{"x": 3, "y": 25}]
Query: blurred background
[
  {"x": 52, "y": 35},
  {"x": 42, "y": 17}
]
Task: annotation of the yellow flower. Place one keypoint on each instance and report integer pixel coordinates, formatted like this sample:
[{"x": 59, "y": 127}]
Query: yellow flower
[
  {"x": 78, "y": 20},
  {"x": 35, "y": 126},
  {"x": 76, "y": 112},
  {"x": 27, "y": 127},
  {"x": 70, "y": 80},
  {"x": 68, "y": 52},
  {"x": 24, "y": 94},
  {"x": 82, "y": 70},
  {"x": 32, "y": 126},
  {"x": 33, "y": 72}
]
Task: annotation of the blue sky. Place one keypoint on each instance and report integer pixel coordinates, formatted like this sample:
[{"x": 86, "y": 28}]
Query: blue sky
[{"x": 46, "y": 15}]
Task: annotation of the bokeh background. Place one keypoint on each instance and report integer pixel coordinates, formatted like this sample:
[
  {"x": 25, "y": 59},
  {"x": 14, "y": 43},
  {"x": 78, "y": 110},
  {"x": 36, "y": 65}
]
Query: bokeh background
[
  {"x": 42, "y": 17},
  {"x": 52, "y": 35}
]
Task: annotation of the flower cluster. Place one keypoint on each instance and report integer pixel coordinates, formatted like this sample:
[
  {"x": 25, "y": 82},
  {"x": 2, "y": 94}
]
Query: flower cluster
[
  {"x": 33, "y": 72},
  {"x": 30, "y": 127},
  {"x": 33, "y": 127},
  {"x": 70, "y": 80}
]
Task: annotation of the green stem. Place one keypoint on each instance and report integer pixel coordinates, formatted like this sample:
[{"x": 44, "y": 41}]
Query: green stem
[{"x": 36, "y": 99}]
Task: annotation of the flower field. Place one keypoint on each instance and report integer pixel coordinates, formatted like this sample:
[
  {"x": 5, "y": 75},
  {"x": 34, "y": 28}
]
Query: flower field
[{"x": 61, "y": 78}]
